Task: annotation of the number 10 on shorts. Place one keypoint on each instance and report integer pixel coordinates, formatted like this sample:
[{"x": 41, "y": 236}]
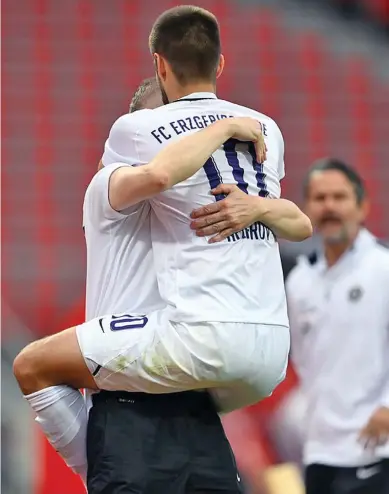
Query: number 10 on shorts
[{"x": 127, "y": 321}]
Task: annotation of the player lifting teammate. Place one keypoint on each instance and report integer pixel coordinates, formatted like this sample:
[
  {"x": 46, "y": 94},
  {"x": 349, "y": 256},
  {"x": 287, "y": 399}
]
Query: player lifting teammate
[{"x": 236, "y": 283}]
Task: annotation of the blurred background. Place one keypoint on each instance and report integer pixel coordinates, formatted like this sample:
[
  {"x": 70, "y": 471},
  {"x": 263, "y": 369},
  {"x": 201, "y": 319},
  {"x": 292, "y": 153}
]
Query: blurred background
[{"x": 320, "y": 68}]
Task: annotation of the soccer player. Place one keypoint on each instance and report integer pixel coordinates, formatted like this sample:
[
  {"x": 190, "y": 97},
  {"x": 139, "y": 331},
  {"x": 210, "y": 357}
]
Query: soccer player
[
  {"x": 147, "y": 96},
  {"x": 61, "y": 410},
  {"x": 236, "y": 283},
  {"x": 178, "y": 438},
  {"x": 201, "y": 282}
]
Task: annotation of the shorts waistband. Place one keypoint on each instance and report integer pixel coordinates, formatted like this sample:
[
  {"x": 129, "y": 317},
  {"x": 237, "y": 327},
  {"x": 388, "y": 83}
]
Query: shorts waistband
[{"x": 184, "y": 399}]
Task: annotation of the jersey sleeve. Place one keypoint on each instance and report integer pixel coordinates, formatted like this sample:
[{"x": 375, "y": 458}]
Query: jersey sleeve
[
  {"x": 127, "y": 140},
  {"x": 97, "y": 208}
]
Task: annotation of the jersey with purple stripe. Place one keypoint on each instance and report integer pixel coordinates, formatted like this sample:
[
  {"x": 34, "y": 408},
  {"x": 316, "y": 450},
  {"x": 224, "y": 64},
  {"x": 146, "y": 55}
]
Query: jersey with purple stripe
[{"x": 239, "y": 279}]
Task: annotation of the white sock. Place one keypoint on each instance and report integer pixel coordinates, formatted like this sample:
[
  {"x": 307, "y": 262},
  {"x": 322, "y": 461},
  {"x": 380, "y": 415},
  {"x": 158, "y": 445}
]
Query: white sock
[{"x": 62, "y": 415}]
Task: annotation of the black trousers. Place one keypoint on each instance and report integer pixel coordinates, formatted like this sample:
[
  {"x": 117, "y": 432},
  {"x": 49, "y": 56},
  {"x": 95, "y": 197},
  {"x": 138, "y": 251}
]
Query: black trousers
[
  {"x": 370, "y": 479},
  {"x": 158, "y": 444}
]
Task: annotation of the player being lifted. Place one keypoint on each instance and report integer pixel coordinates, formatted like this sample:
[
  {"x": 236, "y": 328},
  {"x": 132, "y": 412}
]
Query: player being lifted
[{"x": 225, "y": 324}]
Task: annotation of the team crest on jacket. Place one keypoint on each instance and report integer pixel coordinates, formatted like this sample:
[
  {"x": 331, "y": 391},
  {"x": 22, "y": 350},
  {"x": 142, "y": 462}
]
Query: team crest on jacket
[{"x": 355, "y": 294}]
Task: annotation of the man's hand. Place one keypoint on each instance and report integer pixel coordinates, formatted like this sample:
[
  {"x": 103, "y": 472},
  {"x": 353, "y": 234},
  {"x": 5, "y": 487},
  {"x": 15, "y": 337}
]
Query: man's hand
[
  {"x": 223, "y": 218},
  {"x": 248, "y": 129},
  {"x": 240, "y": 210},
  {"x": 376, "y": 431}
]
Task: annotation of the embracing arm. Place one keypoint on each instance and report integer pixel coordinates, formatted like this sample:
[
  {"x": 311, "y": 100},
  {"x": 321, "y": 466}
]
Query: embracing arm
[
  {"x": 178, "y": 161},
  {"x": 284, "y": 218},
  {"x": 239, "y": 210}
]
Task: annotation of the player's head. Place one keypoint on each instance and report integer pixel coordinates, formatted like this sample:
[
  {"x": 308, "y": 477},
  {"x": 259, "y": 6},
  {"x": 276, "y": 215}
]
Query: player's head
[
  {"x": 335, "y": 200},
  {"x": 185, "y": 45},
  {"x": 148, "y": 95}
]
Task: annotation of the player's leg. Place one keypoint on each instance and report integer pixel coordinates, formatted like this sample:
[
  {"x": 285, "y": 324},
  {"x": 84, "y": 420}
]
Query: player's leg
[
  {"x": 213, "y": 466},
  {"x": 259, "y": 361},
  {"x": 240, "y": 363},
  {"x": 140, "y": 354},
  {"x": 369, "y": 479},
  {"x": 179, "y": 440},
  {"x": 241, "y": 395},
  {"x": 51, "y": 371},
  {"x": 43, "y": 370},
  {"x": 113, "y": 352},
  {"x": 124, "y": 352},
  {"x": 319, "y": 479},
  {"x": 137, "y": 442},
  {"x": 245, "y": 393},
  {"x": 52, "y": 361},
  {"x": 385, "y": 470}
]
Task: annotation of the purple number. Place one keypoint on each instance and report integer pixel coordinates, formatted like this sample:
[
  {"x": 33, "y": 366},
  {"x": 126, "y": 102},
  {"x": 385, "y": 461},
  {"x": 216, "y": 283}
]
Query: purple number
[
  {"x": 127, "y": 321},
  {"x": 214, "y": 176}
]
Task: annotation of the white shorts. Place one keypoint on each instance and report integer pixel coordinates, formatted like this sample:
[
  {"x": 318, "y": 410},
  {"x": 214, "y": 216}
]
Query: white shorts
[{"x": 239, "y": 363}]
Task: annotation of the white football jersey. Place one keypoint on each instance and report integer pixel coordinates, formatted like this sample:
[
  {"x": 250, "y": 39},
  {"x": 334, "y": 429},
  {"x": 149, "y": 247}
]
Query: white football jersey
[
  {"x": 239, "y": 279},
  {"x": 120, "y": 264}
]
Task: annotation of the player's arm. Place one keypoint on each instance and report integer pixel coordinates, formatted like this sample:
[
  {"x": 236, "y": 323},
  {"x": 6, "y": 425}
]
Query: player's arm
[
  {"x": 284, "y": 218},
  {"x": 176, "y": 162},
  {"x": 239, "y": 210}
]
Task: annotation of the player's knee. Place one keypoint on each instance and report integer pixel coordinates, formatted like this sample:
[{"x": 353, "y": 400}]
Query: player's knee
[{"x": 27, "y": 368}]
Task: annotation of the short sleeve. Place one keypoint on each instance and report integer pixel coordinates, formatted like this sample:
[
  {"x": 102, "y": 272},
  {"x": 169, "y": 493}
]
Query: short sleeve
[
  {"x": 97, "y": 208},
  {"x": 127, "y": 139}
]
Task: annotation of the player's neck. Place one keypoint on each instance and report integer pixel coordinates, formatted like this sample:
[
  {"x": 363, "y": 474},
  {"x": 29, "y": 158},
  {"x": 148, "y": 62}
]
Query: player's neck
[{"x": 182, "y": 91}]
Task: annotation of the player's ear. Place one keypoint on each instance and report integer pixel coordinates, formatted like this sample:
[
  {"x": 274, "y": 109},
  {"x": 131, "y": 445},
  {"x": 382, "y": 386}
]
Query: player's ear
[
  {"x": 160, "y": 66},
  {"x": 220, "y": 66}
]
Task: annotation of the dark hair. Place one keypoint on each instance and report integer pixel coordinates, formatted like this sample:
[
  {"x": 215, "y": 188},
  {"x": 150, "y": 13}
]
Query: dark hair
[
  {"x": 189, "y": 38},
  {"x": 146, "y": 89},
  {"x": 349, "y": 172}
]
